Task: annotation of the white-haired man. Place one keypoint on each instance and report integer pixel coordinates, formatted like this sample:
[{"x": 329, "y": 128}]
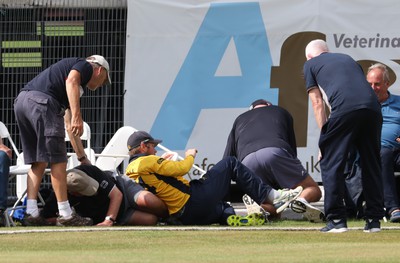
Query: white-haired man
[{"x": 355, "y": 120}]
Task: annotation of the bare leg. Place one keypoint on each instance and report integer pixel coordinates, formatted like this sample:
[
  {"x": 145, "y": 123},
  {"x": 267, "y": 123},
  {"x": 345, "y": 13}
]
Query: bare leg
[
  {"x": 59, "y": 181},
  {"x": 140, "y": 218},
  {"x": 311, "y": 191},
  {"x": 271, "y": 210},
  {"x": 34, "y": 179},
  {"x": 148, "y": 202}
]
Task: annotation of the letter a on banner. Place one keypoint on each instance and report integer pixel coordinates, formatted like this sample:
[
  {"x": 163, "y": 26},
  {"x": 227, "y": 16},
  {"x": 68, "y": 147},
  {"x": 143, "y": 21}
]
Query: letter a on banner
[{"x": 199, "y": 86}]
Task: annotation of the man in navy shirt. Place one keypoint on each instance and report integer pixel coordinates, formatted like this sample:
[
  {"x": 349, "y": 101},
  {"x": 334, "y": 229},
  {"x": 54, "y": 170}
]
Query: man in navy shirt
[
  {"x": 336, "y": 80},
  {"x": 39, "y": 110}
]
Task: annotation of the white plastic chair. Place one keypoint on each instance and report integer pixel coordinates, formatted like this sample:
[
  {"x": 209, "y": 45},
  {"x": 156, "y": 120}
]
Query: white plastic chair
[
  {"x": 116, "y": 151},
  {"x": 20, "y": 171},
  {"x": 5, "y": 134}
]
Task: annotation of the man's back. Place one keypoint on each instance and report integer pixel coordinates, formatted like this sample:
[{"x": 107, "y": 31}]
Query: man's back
[
  {"x": 52, "y": 80},
  {"x": 269, "y": 126},
  {"x": 343, "y": 82}
]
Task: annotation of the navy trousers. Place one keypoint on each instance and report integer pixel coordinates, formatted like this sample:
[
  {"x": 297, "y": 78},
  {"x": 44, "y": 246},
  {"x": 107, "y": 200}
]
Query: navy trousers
[
  {"x": 206, "y": 206},
  {"x": 360, "y": 129},
  {"x": 389, "y": 158}
]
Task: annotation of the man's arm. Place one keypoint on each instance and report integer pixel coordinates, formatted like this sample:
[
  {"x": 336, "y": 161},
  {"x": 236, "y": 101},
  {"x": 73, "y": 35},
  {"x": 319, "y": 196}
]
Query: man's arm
[
  {"x": 318, "y": 106},
  {"x": 76, "y": 141},
  {"x": 73, "y": 86},
  {"x": 113, "y": 208},
  {"x": 5, "y": 148}
]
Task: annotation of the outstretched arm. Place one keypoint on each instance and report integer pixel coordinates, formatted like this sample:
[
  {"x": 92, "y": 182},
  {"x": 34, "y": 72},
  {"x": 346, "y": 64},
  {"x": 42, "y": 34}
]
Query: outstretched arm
[
  {"x": 76, "y": 141},
  {"x": 113, "y": 208}
]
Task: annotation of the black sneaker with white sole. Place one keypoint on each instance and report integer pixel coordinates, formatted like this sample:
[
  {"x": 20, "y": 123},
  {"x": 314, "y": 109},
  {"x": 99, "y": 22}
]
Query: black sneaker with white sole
[
  {"x": 335, "y": 226},
  {"x": 372, "y": 226}
]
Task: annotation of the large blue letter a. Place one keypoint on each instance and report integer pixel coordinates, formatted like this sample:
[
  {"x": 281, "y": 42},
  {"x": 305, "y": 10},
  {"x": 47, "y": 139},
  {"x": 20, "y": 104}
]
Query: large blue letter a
[{"x": 197, "y": 87}]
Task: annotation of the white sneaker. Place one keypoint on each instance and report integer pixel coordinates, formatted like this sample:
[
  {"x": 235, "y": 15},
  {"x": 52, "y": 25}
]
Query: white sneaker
[
  {"x": 310, "y": 212},
  {"x": 286, "y": 197},
  {"x": 253, "y": 208}
]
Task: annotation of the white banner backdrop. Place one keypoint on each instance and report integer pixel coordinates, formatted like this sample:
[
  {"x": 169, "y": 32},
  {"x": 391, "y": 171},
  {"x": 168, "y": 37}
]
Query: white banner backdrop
[{"x": 193, "y": 66}]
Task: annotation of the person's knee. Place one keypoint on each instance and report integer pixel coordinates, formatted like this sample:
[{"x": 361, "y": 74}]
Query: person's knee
[
  {"x": 150, "y": 202},
  {"x": 142, "y": 219},
  {"x": 311, "y": 191}
]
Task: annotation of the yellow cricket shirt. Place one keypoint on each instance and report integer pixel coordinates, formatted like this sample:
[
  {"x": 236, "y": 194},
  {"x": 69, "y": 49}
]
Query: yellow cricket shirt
[{"x": 164, "y": 178}]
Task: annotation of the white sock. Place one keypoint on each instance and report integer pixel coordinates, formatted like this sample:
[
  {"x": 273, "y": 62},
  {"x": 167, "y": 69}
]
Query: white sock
[
  {"x": 32, "y": 207},
  {"x": 64, "y": 209},
  {"x": 272, "y": 195}
]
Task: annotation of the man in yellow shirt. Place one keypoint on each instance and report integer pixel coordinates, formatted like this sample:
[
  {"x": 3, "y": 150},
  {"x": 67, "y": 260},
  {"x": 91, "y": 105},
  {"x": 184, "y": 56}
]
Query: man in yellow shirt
[{"x": 199, "y": 202}]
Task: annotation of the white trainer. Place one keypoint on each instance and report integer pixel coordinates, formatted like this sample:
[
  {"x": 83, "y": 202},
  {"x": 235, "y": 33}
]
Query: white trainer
[
  {"x": 286, "y": 197},
  {"x": 311, "y": 213},
  {"x": 253, "y": 208}
]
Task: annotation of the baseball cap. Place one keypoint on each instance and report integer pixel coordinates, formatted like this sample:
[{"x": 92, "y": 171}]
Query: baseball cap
[
  {"x": 102, "y": 62},
  {"x": 138, "y": 137},
  {"x": 259, "y": 102},
  {"x": 79, "y": 182}
]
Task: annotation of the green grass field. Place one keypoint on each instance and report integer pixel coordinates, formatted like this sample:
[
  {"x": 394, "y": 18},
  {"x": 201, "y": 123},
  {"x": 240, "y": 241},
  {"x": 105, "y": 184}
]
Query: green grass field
[{"x": 285, "y": 241}]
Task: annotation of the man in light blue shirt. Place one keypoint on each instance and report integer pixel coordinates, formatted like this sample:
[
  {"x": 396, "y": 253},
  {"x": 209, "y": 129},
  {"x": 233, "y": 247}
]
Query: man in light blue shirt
[{"x": 378, "y": 77}]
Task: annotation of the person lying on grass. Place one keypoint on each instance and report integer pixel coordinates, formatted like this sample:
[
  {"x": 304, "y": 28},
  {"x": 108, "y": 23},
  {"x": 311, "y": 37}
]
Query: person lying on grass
[
  {"x": 108, "y": 199},
  {"x": 199, "y": 202}
]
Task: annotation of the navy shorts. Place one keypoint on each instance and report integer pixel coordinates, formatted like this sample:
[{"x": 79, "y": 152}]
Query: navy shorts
[
  {"x": 276, "y": 167},
  {"x": 40, "y": 120}
]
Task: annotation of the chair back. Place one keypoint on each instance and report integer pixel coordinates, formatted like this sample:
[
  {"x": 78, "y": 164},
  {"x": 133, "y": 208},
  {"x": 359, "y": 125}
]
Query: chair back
[
  {"x": 5, "y": 134},
  {"x": 116, "y": 151}
]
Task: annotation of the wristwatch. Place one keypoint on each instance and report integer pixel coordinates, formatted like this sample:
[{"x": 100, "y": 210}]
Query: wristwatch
[
  {"x": 109, "y": 218},
  {"x": 82, "y": 158}
]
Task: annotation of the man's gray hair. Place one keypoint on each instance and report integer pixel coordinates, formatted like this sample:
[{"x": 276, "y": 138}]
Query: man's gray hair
[
  {"x": 383, "y": 68},
  {"x": 315, "y": 48}
]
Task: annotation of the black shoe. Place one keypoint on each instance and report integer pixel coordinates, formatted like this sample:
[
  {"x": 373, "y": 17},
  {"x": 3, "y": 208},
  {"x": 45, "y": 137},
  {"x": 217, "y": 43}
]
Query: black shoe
[
  {"x": 74, "y": 220},
  {"x": 395, "y": 216},
  {"x": 372, "y": 226},
  {"x": 34, "y": 221},
  {"x": 335, "y": 226}
]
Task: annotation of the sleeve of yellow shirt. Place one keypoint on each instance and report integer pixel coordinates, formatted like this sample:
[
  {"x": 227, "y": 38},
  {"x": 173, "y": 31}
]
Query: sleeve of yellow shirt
[
  {"x": 172, "y": 168},
  {"x": 155, "y": 164}
]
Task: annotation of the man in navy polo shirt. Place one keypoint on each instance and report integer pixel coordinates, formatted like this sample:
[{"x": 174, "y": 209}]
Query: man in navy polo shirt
[
  {"x": 39, "y": 110},
  {"x": 355, "y": 120}
]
